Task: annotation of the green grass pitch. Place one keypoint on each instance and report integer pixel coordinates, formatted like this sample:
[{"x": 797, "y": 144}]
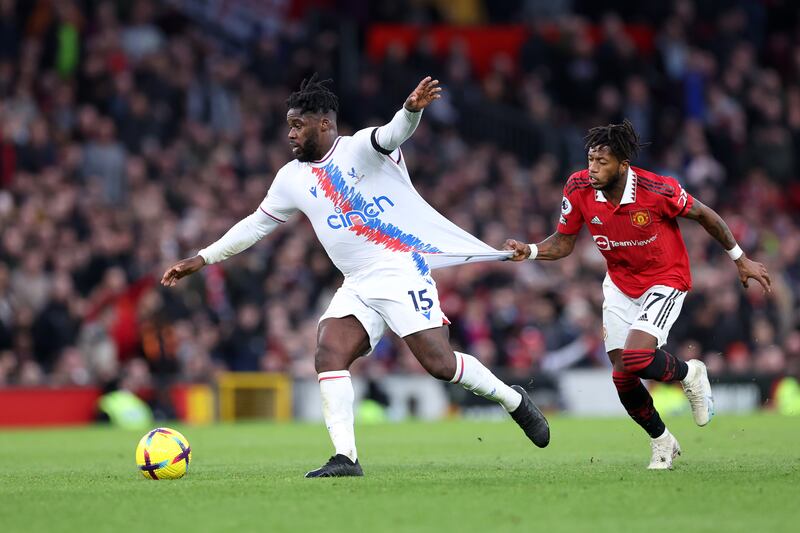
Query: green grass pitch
[{"x": 738, "y": 474}]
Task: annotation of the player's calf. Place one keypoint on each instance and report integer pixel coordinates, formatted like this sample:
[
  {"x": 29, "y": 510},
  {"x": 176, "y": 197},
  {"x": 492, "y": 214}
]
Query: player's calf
[
  {"x": 440, "y": 367},
  {"x": 475, "y": 377},
  {"x": 638, "y": 403},
  {"x": 432, "y": 348}
]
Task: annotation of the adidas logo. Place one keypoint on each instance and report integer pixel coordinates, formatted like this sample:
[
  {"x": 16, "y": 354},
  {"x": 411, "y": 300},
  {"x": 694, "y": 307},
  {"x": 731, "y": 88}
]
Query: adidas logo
[
  {"x": 643, "y": 318},
  {"x": 596, "y": 220}
]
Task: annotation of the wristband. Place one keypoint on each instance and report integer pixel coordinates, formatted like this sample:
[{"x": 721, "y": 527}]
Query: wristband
[
  {"x": 534, "y": 251},
  {"x": 735, "y": 252}
]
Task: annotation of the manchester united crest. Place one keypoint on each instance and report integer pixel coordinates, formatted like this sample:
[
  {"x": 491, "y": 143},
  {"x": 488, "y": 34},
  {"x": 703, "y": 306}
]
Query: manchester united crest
[{"x": 640, "y": 218}]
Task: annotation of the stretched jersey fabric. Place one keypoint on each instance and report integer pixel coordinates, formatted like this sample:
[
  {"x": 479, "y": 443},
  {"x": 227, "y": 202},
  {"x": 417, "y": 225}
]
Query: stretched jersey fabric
[
  {"x": 640, "y": 238},
  {"x": 364, "y": 209}
]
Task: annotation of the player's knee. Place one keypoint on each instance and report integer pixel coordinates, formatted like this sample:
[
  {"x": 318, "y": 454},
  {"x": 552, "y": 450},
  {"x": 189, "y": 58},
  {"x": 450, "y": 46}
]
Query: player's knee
[{"x": 617, "y": 362}]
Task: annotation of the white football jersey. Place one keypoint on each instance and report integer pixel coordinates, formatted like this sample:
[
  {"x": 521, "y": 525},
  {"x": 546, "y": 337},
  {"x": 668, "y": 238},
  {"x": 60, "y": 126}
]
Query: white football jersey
[{"x": 365, "y": 210}]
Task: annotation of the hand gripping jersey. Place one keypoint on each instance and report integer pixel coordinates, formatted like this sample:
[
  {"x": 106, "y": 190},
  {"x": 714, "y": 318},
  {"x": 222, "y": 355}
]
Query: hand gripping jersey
[{"x": 640, "y": 238}]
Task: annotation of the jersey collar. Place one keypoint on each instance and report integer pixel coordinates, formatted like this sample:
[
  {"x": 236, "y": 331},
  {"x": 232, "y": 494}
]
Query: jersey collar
[
  {"x": 628, "y": 195},
  {"x": 330, "y": 152}
]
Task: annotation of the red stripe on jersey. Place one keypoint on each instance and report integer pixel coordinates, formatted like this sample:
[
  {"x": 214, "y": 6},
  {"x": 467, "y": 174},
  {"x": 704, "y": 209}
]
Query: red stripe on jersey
[
  {"x": 579, "y": 180},
  {"x": 570, "y": 190},
  {"x": 656, "y": 185},
  {"x": 399, "y": 157},
  {"x": 663, "y": 192}
]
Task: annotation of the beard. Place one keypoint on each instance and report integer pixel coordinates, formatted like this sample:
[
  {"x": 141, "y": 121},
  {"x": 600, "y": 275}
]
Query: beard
[
  {"x": 309, "y": 150},
  {"x": 613, "y": 182}
]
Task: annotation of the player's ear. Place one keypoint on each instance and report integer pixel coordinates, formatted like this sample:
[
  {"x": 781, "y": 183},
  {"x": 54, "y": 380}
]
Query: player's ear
[{"x": 624, "y": 166}]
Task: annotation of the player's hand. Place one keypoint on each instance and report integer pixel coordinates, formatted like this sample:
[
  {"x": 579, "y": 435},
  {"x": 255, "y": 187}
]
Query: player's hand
[
  {"x": 522, "y": 251},
  {"x": 426, "y": 92},
  {"x": 181, "y": 269},
  {"x": 751, "y": 269}
]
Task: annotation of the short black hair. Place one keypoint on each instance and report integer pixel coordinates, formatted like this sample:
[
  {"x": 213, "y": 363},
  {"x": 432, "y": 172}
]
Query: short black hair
[
  {"x": 313, "y": 97},
  {"x": 621, "y": 139}
]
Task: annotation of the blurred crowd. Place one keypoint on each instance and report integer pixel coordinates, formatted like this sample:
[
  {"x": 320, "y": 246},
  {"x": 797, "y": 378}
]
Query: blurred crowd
[{"x": 132, "y": 136}]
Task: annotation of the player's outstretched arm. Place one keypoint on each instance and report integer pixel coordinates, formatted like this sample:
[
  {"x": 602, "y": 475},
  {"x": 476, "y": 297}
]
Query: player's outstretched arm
[
  {"x": 717, "y": 228},
  {"x": 240, "y": 237},
  {"x": 389, "y": 137},
  {"x": 554, "y": 247}
]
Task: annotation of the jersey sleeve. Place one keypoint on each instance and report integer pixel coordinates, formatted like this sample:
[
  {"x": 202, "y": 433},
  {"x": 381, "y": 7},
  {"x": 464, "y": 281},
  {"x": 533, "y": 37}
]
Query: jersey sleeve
[
  {"x": 386, "y": 140},
  {"x": 240, "y": 237},
  {"x": 362, "y": 143},
  {"x": 278, "y": 204},
  {"x": 390, "y": 136},
  {"x": 570, "y": 220},
  {"x": 679, "y": 202}
]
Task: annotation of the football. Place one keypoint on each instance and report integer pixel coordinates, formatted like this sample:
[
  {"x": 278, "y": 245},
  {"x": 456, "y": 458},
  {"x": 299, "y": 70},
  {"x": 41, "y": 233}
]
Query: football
[{"x": 163, "y": 453}]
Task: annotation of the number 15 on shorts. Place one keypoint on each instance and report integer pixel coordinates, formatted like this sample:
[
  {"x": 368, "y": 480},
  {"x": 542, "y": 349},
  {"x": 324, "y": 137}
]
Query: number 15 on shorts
[{"x": 421, "y": 302}]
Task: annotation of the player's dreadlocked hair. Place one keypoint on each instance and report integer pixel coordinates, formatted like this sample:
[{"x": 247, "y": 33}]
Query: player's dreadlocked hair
[
  {"x": 621, "y": 139},
  {"x": 313, "y": 97}
]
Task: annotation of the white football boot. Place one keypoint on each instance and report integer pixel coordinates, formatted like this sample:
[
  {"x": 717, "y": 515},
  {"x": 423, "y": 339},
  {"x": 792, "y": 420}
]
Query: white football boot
[
  {"x": 698, "y": 390},
  {"x": 665, "y": 449}
]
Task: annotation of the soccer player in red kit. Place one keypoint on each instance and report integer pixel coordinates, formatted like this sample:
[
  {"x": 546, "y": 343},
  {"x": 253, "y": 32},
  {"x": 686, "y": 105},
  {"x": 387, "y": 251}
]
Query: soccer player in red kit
[{"x": 631, "y": 214}]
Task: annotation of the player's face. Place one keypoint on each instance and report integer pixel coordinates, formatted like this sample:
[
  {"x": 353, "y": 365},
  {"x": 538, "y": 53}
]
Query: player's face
[
  {"x": 304, "y": 132},
  {"x": 605, "y": 169}
]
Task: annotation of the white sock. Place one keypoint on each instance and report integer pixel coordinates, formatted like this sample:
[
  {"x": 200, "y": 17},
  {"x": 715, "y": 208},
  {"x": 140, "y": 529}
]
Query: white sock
[
  {"x": 473, "y": 376},
  {"x": 337, "y": 394}
]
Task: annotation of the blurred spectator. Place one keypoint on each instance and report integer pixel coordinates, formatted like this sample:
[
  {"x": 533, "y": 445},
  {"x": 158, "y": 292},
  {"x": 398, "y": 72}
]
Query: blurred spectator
[
  {"x": 104, "y": 161},
  {"x": 141, "y": 37},
  {"x": 56, "y": 326}
]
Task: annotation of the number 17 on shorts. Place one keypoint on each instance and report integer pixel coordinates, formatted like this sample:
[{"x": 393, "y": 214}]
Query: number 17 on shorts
[
  {"x": 658, "y": 311},
  {"x": 654, "y": 312}
]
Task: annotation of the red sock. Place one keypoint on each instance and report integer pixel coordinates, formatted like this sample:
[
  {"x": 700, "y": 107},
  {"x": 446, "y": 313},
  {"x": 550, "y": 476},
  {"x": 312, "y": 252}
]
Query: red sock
[
  {"x": 654, "y": 364},
  {"x": 638, "y": 402}
]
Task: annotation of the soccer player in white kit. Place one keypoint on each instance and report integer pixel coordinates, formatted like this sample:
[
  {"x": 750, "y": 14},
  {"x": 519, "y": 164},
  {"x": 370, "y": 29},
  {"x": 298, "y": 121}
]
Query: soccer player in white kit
[{"x": 358, "y": 196}]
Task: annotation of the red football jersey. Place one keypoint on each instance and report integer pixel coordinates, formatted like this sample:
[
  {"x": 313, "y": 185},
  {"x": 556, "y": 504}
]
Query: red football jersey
[{"x": 640, "y": 238}]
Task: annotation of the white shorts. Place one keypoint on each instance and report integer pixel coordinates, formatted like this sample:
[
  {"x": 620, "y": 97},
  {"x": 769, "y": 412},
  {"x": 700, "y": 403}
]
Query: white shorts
[
  {"x": 653, "y": 312},
  {"x": 396, "y": 296}
]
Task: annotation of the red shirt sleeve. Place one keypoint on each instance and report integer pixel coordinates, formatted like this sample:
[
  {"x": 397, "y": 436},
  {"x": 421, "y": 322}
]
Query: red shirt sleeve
[
  {"x": 680, "y": 201},
  {"x": 570, "y": 220}
]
